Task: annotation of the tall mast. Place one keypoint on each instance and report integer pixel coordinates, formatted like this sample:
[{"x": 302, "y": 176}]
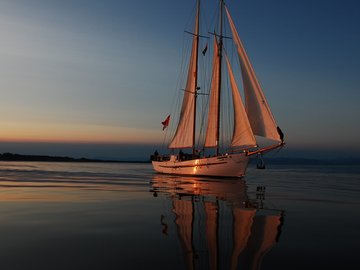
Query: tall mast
[
  {"x": 185, "y": 133},
  {"x": 196, "y": 71},
  {"x": 219, "y": 82}
]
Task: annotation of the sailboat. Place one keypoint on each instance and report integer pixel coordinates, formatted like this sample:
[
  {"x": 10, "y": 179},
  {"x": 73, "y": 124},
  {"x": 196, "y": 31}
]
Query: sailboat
[{"x": 251, "y": 120}]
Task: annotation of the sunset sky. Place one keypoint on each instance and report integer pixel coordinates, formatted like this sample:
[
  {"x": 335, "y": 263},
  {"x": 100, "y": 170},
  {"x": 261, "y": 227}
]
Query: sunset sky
[{"x": 80, "y": 77}]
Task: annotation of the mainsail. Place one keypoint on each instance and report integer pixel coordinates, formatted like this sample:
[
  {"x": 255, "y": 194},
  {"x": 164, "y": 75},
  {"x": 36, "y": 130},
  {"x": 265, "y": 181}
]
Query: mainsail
[
  {"x": 184, "y": 136},
  {"x": 242, "y": 135},
  {"x": 260, "y": 117}
]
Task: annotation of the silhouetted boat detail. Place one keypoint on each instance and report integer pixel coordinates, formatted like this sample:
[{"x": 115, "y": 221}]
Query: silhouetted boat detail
[
  {"x": 261, "y": 162},
  {"x": 217, "y": 224},
  {"x": 252, "y": 119}
]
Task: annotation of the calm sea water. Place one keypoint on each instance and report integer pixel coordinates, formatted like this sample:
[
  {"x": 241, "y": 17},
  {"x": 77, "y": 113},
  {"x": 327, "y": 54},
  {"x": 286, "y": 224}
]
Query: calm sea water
[{"x": 124, "y": 216}]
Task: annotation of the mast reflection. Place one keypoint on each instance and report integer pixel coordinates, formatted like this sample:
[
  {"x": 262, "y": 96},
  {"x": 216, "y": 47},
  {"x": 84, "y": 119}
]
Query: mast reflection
[{"x": 218, "y": 225}]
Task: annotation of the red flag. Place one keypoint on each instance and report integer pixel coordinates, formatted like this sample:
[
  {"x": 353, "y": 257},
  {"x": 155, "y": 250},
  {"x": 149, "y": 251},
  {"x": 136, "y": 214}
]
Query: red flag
[{"x": 166, "y": 122}]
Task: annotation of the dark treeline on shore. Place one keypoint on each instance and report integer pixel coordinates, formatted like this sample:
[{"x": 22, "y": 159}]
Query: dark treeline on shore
[
  {"x": 45, "y": 158},
  {"x": 18, "y": 157}
]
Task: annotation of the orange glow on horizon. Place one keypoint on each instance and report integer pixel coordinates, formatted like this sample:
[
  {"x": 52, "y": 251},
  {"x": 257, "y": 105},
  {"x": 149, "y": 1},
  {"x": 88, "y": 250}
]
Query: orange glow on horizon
[{"x": 63, "y": 133}]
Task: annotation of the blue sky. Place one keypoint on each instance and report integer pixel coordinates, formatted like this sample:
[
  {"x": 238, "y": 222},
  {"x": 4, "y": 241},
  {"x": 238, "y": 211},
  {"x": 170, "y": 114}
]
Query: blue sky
[{"x": 104, "y": 72}]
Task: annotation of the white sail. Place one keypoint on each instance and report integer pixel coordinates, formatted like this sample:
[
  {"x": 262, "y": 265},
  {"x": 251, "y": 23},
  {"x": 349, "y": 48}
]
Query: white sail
[
  {"x": 211, "y": 139},
  {"x": 242, "y": 135},
  {"x": 184, "y": 136},
  {"x": 260, "y": 117}
]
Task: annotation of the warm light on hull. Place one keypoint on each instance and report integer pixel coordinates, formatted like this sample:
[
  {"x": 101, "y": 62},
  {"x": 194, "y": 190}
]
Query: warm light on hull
[{"x": 231, "y": 165}]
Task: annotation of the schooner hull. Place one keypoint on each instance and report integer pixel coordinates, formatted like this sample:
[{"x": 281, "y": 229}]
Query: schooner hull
[{"x": 231, "y": 165}]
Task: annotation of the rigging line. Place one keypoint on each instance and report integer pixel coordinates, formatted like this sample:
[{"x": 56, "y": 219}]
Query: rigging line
[
  {"x": 196, "y": 35},
  {"x": 164, "y": 140},
  {"x": 231, "y": 104},
  {"x": 175, "y": 100},
  {"x": 205, "y": 102},
  {"x": 229, "y": 94},
  {"x": 191, "y": 16},
  {"x": 200, "y": 126},
  {"x": 219, "y": 36},
  {"x": 202, "y": 123},
  {"x": 203, "y": 105},
  {"x": 169, "y": 129},
  {"x": 201, "y": 23},
  {"x": 196, "y": 71},
  {"x": 185, "y": 51},
  {"x": 214, "y": 18},
  {"x": 195, "y": 93},
  {"x": 275, "y": 153},
  {"x": 203, "y": 18},
  {"x": 226, "y": 115}
]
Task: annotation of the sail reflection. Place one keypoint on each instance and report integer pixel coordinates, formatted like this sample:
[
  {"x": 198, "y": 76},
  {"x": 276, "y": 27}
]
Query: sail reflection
[{"x": 218, "y": 225}]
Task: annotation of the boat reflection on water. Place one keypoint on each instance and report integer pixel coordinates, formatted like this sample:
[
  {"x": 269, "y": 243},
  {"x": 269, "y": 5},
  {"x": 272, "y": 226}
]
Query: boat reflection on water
[{"x": 218, "y": 225}]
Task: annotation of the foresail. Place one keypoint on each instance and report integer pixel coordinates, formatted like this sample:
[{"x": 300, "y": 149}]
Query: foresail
[
  {"x": 212, "y": 122},
  {"x": 260, "y": 117},
  {"x": 242, "y": 134},
  {"x": 184, "y": 136}
]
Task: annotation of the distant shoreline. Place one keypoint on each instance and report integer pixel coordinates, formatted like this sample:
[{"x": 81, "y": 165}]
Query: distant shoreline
[{"x": 44, "y": 158}]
